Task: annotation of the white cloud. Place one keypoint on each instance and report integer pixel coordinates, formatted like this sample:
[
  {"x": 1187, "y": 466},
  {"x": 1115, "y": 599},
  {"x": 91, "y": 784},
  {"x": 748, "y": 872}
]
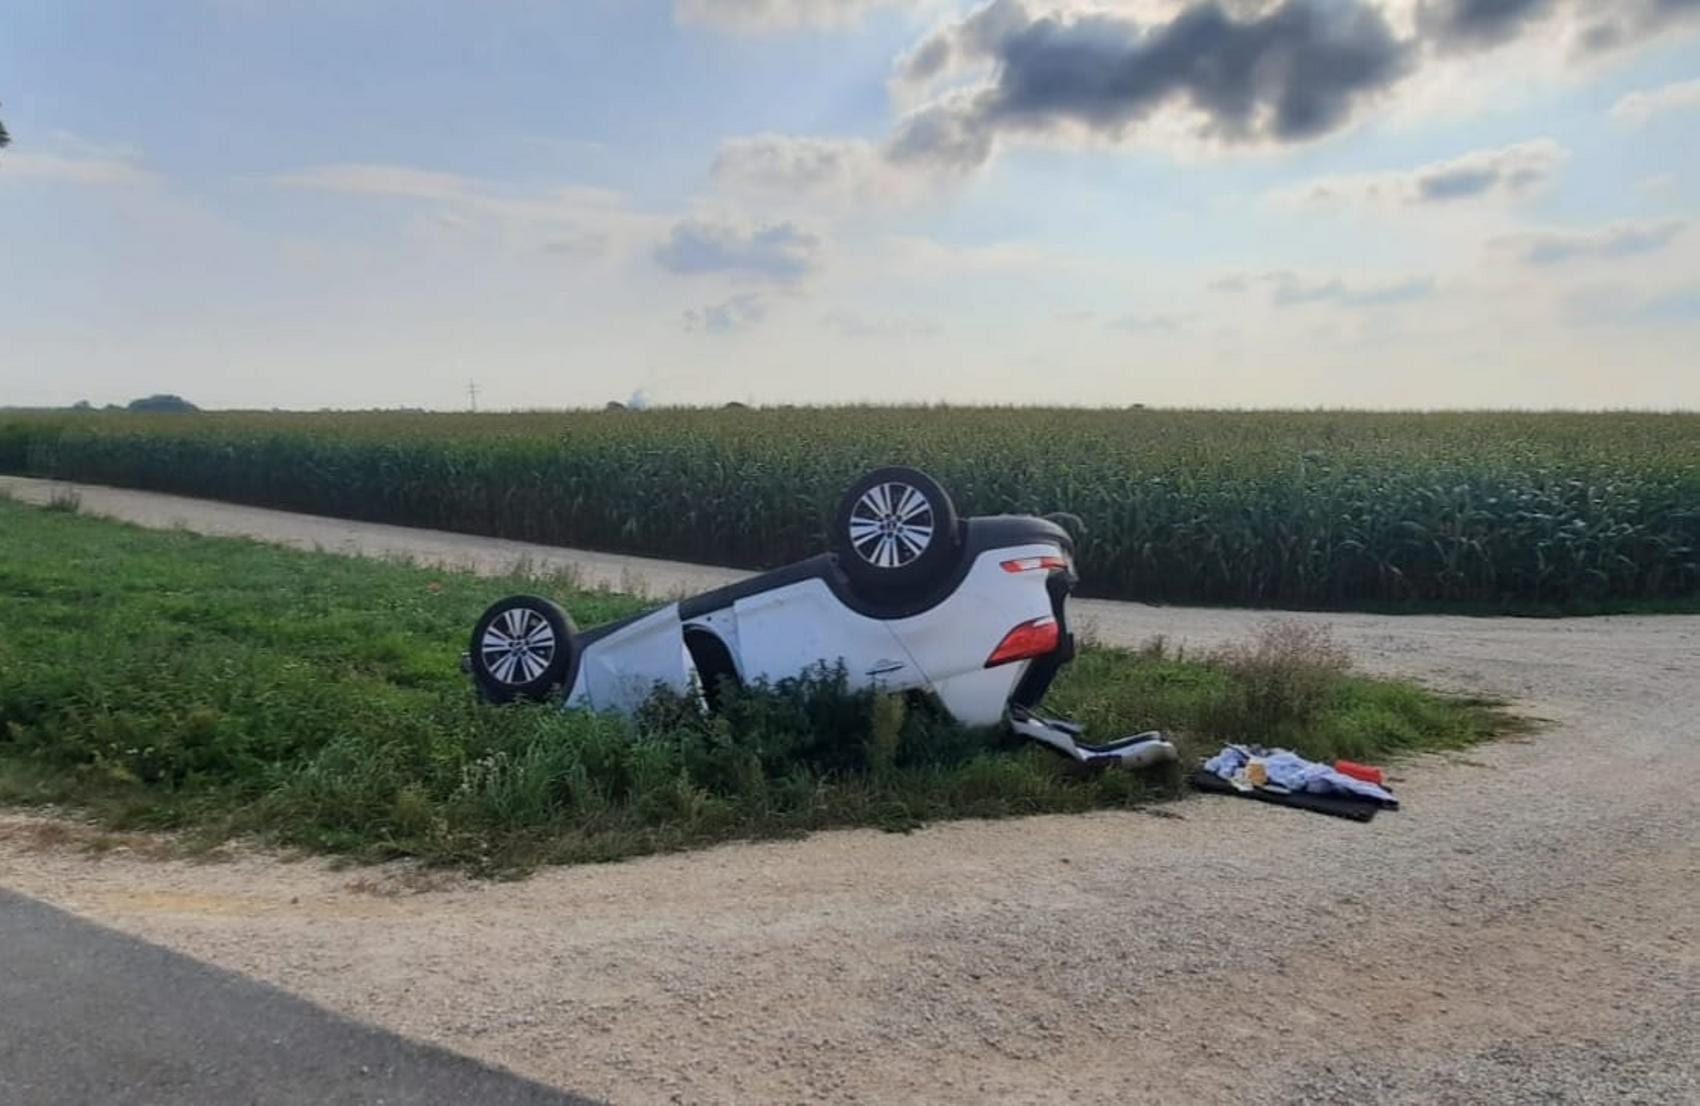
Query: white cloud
[
  {"x": 26, "y": 166},
  {"x": 576, "y": 244},
  {"x": 1555, "y": 247},
  {"x": 1159, "y": 323},
  {"x": 565, "y": 221},
  {"x": 412, "y": 182},
  {"x": 381, "y": 180},
  {"x": 850, "y": 324},
  {"x": 1508, "y": 172},
  {"x": 924, "y": 258},
  {"x": 1289, "y": 289},
  {"x": 71, "y": 160},
  {"x": 783, "y": 253},
  {"x": 1660, "y": 186},
  {"x": 837, "y": 172},
  {"x": 797, "y": 165},
  {"x": 741, "y": 312},
  {"x": 1637, "y": 108},
  {"x": 772, "y": 15}
]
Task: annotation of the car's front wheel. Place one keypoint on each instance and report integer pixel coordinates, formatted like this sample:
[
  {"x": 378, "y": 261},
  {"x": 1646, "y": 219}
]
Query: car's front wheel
[
  {"x": 896, "y": 532},
  {"x": 522, "y": 649}
]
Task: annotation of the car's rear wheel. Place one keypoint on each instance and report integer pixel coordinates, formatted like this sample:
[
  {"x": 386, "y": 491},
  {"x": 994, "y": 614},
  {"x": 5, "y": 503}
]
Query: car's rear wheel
[
  {"x": 896, "y": 532},
  {"x": 522, "y": 649}
]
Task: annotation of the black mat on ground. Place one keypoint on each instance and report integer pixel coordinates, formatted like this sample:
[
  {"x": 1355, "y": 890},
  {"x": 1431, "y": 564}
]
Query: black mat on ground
[{"x": 1339, "y": 806}]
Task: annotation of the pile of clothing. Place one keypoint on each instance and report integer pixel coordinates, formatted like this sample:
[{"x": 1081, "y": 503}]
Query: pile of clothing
[{"x": 1283, "y": 777}]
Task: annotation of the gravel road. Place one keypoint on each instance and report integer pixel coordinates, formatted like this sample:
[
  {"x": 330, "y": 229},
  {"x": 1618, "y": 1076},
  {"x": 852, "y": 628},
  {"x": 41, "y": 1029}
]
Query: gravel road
[{"x": 1527, "y": 929}]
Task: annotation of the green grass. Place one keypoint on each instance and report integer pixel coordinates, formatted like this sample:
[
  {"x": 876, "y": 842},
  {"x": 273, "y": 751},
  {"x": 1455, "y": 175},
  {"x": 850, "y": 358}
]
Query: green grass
[
  {"x": 162, "y": 680},
  {"x": 1482, "y": 511}
]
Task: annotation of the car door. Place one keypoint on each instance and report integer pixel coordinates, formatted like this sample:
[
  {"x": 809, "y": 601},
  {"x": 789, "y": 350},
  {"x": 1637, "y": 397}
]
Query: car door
[{"x": 786, "y": 630}]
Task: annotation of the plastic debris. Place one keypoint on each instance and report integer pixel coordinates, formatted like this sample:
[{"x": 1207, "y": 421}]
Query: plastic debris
[{"x": 1367, "y": 773}]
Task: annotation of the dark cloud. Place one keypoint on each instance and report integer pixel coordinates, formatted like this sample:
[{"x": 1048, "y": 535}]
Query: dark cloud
[
  {"x": 978, "y": 35},
  {"x": 738, "y": 313},
  {"x": 1507, "y": 172},
  {"x": 953, "y": 135},
  {"x": 782, "y": 252},
  {"x": 1275, "y": 72},
  {"x": 1623, "y": 240},
  {"x": 1598, "y": 25},
  {"x": 927, "y": 60},
  {"x": 1479, "y": 23},
  {"x": 1456, "y": 184},
  {"x": 1614, "y": 24},
  {"x": 1457, "y": 181},
  {"x": 1293, "y": 72}
]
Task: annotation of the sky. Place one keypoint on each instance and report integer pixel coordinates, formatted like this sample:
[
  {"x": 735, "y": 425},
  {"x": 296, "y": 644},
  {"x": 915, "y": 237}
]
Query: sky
[{"x": 1220, "y": 203}]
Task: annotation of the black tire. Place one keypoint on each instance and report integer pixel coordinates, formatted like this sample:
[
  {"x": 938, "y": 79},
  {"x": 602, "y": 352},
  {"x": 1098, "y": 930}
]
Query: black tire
[
  {"x": 896, "y": 532},
  {"x": 513, "y": 658}
]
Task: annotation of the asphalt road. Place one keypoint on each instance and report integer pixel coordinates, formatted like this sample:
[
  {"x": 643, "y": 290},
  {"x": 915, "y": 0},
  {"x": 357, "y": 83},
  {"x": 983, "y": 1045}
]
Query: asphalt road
[{"x": 89, "y": 1017}]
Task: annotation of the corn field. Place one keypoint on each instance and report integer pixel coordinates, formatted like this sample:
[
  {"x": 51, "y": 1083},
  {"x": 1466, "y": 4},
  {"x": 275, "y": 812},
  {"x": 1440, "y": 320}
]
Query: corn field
[{"x": 1319, "y": 509}]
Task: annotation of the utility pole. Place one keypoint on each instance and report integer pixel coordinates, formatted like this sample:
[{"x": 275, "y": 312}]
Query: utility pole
[{"x": 472, "y": 394}]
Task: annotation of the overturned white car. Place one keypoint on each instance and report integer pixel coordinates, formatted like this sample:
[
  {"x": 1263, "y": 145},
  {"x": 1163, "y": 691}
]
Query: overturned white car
[{"x": 972, "y": 611}]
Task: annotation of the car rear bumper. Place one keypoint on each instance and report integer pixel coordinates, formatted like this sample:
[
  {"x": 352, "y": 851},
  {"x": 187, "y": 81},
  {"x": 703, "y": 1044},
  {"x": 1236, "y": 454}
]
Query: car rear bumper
[{"x": 1043, "y": 670}]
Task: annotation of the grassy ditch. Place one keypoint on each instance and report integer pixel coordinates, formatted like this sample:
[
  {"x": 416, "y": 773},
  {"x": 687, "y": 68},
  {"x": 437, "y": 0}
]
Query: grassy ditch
[{"x": 165, "y": 680}]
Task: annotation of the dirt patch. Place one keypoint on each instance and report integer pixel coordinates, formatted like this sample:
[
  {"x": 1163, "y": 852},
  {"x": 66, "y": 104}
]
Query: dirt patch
[{"x": 60, "y": 835}]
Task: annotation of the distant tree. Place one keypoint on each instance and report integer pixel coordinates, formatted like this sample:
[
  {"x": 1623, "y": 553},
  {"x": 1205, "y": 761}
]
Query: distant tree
[
  {"x": 614, "y": 405},
  {"x": 82, "y": 405},
  {"x": 162, "y": 402},
  {"x": 736, "y": 406},
  {"x": 5, "y": 139}
]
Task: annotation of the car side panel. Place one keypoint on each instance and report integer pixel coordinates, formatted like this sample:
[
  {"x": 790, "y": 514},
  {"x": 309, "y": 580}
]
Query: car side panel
[
  {"x": 618, "y": 672},
  {"x": 980, "y": 697},
  {"x": 784, "y": 631}
]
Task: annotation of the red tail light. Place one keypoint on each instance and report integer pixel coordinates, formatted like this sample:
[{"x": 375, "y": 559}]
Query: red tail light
[
  {"x": 1030, "y": 639},
  {"x": 1034, "y": 564}
]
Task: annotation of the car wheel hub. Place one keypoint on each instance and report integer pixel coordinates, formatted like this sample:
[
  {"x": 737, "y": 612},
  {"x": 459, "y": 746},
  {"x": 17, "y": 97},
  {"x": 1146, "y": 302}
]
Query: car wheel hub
[
  {"x": 518, "y": 646},
  {"x": 891, "y": 525}
]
